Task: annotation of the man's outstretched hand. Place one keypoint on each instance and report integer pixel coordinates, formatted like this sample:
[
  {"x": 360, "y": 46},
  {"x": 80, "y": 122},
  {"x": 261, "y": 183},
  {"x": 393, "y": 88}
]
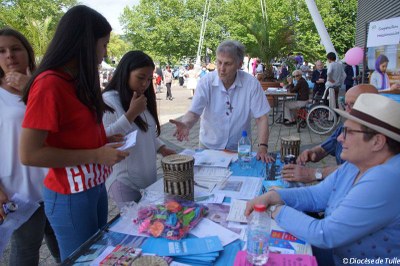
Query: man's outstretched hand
[{"x": 182, "y": 130}]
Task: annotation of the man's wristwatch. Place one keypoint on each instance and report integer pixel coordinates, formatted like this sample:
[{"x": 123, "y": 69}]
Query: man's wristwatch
[
  {"x": 318, "y": 174},
  {"x": 272, "y": 208}
]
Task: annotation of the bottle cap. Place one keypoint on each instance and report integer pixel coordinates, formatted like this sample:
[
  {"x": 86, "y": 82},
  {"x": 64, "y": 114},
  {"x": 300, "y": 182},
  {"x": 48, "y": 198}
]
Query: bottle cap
[
  {"x": 260, "y": 208},
  {"x": 244, "y": 133}
]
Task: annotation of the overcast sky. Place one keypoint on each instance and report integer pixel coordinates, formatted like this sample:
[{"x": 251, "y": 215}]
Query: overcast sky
[{"x": 111, "y": 9}]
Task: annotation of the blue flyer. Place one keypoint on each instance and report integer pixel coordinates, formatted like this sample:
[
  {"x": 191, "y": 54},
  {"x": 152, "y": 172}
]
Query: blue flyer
[{"x": 187, "y": 246}]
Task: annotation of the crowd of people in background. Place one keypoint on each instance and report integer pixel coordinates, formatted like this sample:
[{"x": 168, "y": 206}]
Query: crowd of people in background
[
  {"x": 316, "y": 75},
  {"x": 68, "y": 162},
  {"x": 340, "y": 75}
]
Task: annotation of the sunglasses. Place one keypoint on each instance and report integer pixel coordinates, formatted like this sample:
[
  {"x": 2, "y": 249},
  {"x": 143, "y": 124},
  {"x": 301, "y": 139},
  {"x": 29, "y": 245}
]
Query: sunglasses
[{"x": 347, "y": 130}]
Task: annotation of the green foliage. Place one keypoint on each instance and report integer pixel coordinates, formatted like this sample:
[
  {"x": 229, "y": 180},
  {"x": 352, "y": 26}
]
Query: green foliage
[
  {"x": 339, "y": 17},
  {"x": 266, "y": 36},
  {"x": 169, "y": 30},
  {"x": 117, "y": 47},
  {"x": 37, "y": 19}
]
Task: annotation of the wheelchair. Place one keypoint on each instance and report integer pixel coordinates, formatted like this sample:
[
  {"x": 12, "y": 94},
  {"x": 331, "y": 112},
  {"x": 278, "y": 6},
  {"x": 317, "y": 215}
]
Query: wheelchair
[{"x": 319, "y": 115}]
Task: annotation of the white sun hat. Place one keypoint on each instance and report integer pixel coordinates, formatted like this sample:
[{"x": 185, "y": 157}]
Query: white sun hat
[{"x": 377, "y": 112}]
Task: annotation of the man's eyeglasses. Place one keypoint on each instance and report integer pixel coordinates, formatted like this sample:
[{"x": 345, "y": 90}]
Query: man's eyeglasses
[
  {"x": 296, "y": 76},
  {"x": 347, "y": 130}
]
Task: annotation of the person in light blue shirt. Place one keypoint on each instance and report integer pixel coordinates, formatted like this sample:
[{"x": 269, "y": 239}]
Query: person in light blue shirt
[
  {"x": 301, "y": 172},
  {"x": 360, "y": 199}
]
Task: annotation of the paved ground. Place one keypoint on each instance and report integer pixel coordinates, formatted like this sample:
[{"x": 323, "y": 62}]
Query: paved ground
[{"x": 175, "y": 109}]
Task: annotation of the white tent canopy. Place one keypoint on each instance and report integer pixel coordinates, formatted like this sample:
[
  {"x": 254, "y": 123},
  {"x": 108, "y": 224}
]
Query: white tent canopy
[{"x": 105, "y": 66}]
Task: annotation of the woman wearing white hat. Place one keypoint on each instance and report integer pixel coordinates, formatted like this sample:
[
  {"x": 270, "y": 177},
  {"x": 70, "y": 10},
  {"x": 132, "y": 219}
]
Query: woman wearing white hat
[{"x": 360, "y": 199}]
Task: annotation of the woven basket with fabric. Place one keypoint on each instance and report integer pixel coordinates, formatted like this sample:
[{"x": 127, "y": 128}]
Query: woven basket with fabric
[{"x": 178, "y": 175}]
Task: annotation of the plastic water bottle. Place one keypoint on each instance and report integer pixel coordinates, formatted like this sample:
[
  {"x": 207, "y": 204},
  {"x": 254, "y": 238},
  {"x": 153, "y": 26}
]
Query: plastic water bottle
[
  {"x": 258, "y": 234},
  {"x": 244, "y": 151}
]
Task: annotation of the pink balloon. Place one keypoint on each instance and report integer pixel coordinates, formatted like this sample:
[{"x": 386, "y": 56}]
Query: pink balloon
[{"x": 354, "y": 56}]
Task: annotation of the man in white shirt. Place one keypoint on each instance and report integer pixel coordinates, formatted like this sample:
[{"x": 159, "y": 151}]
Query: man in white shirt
[
  {"x": 335, "y": 75},
  {"x": 226, "y": 100}
]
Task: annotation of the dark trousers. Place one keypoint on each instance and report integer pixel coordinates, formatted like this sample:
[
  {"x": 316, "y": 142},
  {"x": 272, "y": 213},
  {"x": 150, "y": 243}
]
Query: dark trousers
[
  {"x": 169, "y": 94},
  {"x": 318, "y": 91},
  {"x": 181, "y": 81},
  {"x": 27, "y": 240},
  {"x": 336, "y": 96}
]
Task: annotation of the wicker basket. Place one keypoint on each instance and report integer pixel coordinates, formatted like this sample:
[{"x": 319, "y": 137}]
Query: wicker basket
[
  {"x": 178, "y": 175},
  {"x": 146, "y": 260},
  {"x": 290, "y": 145}
]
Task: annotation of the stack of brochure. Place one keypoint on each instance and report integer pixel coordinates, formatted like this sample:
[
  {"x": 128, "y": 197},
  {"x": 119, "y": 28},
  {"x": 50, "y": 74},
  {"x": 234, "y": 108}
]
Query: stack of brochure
[
  {"x": 198, "y": 251},
  {"x": 211, "y": 167}
]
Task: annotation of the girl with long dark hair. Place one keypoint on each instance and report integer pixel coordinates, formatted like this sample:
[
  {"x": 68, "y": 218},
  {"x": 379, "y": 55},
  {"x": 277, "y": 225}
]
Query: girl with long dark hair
[
  {"x": 131, "y": 95},
  {"x": 63, "y": 129}
]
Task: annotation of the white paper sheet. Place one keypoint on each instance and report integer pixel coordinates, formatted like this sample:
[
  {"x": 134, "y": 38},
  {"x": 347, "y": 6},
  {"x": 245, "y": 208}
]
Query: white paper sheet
[
  {"x": 130, "y": 141},
  {"x": 188, "y": 152},
  {"x": 126, "y": 226},
  {"x": 211, "y": 172},
  {"x": 213, "y": 198},
  {"x": 207, "y": 227},
  {"x": 15, "y": 219},
  {"x": 213, "y": 158},
  {"x": 236, "y": 211},
  {"x": 240, "y": 187}
]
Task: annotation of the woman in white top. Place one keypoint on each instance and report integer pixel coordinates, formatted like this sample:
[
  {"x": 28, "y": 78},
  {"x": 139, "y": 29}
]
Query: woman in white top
[
  {"x": 17, "y": 60},
  {"x": 379, "y": 77},
  {"x": 131, "y": 95},
  {"x": 192, "y": 78}
]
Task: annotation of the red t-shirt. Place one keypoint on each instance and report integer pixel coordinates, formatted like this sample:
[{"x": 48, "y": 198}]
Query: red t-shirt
[{"x": 54, "y": 106}]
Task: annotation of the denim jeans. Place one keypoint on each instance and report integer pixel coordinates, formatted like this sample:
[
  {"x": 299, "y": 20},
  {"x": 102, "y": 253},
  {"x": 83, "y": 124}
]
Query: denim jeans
[
  {"x": 27, "y": 240},
  {"x": 76, "y": 217}
]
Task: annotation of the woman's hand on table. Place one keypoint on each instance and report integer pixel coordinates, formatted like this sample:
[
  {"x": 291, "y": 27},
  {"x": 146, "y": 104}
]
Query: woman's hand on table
[
  {"x": 268, "y": 199},
  {"x": 298, "y": 173}
]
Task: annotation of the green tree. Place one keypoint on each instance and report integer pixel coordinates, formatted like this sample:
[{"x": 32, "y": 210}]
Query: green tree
[
  {"x": 339, "y": 17},
  {"x": 117, "y": 47},
  {"x": 265, "y": 36},
  {"x": 169, "y": 30},
  {"x": 37, "y": 20}
]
